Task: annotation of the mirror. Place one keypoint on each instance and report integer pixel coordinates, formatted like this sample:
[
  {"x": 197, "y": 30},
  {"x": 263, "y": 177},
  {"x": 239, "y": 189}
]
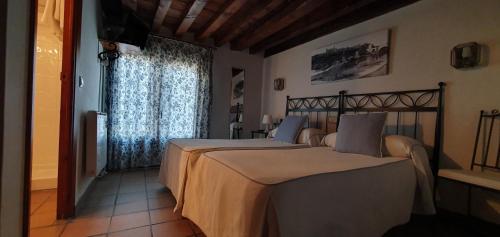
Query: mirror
[{"x": 236, "y": 111}]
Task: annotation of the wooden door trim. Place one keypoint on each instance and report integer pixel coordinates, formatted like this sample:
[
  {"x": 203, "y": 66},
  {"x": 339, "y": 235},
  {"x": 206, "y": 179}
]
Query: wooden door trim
[
  {"x": 67, "y": 157},
  {"x": 66, "y": 182},
  {"x": 28, "y": 142},
  {"x": 3, "y": 25}
]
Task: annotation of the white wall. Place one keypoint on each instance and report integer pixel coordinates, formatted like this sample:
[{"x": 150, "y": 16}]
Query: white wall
[
  {"x": 224, "y": 60},
  {"x": 422, "y": 37},
  {"x": 47, "y": 101},
  {"x": 13, "y": 154},
  {"x": 86, "y": 97}
]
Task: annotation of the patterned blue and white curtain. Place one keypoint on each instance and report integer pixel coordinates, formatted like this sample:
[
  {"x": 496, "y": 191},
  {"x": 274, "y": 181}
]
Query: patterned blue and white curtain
[{"x": 159, "y": 94}]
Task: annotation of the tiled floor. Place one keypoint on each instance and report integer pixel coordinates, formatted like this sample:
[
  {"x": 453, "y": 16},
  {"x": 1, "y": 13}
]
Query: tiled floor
[
  {"x": 443, "y": 225},
  {"x": 119, "y": 204},
  {"x": 43, "y": 214},
  {"x": 134, "y": 204}
]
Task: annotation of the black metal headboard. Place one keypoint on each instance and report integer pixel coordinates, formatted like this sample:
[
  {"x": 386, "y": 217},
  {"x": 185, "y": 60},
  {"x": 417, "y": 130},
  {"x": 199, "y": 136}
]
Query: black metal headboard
[
  {"x": 311, "y": 106},
  {"x": 393, "y": 102}
]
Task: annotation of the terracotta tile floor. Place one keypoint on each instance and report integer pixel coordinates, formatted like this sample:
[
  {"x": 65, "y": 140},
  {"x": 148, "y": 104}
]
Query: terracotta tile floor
[
  {"x": 134, "y": 204},
  {"x": 121, "y": 204}
]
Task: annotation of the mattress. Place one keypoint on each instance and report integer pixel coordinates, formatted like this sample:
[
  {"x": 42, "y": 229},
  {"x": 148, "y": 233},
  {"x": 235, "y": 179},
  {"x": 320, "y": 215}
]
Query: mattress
[
  {"x": 181, "y": 152},
  {"x": 301, "y": 192}
]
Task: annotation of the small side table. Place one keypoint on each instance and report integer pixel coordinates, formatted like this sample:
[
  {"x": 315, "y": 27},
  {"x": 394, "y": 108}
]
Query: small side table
[
  {"x": 237, "y": 132},
  {"x": 259, "y": 132}
]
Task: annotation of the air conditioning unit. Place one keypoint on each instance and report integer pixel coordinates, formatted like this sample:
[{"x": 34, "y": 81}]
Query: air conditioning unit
[{"x": 97, "y": 140}]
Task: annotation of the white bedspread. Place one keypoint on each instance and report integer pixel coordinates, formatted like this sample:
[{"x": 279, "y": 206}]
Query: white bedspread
[
  {"x": 303, "y": 192},
  {"x": 180, "y": 152}
]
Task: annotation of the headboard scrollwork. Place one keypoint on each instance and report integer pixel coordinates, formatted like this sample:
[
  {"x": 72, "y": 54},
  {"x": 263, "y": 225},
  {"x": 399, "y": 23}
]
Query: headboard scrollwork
[
  {"x": 403, "y": 101},
  {"x": 393, "y": 102},
  {"x": 314, "y": 108},
  {"x": 313, "y": 104}
]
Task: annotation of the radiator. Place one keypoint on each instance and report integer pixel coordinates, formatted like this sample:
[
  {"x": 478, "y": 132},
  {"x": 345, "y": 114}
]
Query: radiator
[{"x": 96, "y": 143}]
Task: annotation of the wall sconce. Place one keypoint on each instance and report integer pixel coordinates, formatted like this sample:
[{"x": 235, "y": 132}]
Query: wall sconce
[
  {"x": 466, "y": 55},
  {"x": 279, "y": 84}
]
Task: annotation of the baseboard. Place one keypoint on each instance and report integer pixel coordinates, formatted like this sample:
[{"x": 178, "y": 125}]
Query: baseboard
[
  {"x": 41, "y": 184},
  {"x": 80, "y": 202}
]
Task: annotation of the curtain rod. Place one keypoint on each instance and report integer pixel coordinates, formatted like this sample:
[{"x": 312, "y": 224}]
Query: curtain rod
[{"x": 184, "y": 41}]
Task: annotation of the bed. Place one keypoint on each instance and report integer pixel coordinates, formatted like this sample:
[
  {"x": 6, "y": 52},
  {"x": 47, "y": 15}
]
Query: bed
[
  {"x": 181, "y": 152},
  {"x": 318, "y": 191},
  {"x": 304, "y": 192},
  {"x": 174, "y": 168}
]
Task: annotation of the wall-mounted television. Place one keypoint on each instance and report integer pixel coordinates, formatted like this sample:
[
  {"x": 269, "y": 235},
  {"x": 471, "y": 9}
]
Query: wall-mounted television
[{"x": 118, "y": 23}]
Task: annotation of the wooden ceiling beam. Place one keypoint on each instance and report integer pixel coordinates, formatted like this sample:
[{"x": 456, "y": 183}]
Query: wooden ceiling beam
[
  {"x": 290, "y": 14},
  {"x": 242, "y": 22},
  {"x": 312, "y": 21},
  {"x": 366, "y": 13},
  {"x": 229, "y": 9},
  {"x": 161, "y": 13},
  {"x": 190, "y": 17},
  {"x": 280, "y": 11},
  {"x": 132, "y": 4}
]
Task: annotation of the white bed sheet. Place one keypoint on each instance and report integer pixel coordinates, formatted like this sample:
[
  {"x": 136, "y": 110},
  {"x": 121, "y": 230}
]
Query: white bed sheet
[
  {"x": 304, "y": 192},
  {"x": 174, "y": 171}
]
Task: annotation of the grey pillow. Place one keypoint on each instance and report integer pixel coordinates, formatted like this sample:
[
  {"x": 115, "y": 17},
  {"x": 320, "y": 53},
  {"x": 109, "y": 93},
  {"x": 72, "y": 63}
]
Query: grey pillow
[
  {"x": 289, "y": 129},
  {"x": 361, "y": 134}
]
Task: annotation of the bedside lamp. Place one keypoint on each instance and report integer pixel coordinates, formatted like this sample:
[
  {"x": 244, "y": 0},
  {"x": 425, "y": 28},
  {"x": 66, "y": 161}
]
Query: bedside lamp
[{"x": 267, "y": 120}]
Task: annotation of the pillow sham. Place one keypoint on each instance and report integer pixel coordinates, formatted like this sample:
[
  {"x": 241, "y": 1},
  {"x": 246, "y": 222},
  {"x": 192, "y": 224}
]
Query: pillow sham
[
  {"x": 329, "y": 140},
  {"x": 361, "y": 134},
  {"x": 399, "y": 146},
  {"x": 289, "y": 129},
  {"x": 310, "y": 136},
  {"x": 393, "y": 145}
]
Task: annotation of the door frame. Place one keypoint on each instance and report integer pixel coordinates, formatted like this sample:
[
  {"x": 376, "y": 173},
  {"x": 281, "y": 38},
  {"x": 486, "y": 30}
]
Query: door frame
[
  {"x": 3, "y": 26},
  {"x": 66, "y": 178},
  {"x": 28, "y": 142},
  {"x": 67, "y": 145}
]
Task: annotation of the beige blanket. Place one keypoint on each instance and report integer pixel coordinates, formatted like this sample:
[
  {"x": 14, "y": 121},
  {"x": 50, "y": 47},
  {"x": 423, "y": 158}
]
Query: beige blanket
[
  {"x": 180, "y": 152},
  {"x": 301, "y": 192}
]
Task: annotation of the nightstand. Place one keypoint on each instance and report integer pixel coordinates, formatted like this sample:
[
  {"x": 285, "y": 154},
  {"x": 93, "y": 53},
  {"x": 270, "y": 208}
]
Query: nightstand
[{"x": 259, "y": 132}]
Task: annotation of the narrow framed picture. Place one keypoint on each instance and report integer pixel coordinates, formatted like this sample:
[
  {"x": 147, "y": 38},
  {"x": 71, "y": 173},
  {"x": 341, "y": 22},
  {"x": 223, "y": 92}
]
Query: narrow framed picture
[{"x": 279, "y": 84}]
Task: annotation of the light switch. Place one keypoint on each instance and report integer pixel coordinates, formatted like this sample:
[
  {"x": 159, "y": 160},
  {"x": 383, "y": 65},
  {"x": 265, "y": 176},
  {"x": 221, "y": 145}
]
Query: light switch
[{"x": 80, "y": 81}]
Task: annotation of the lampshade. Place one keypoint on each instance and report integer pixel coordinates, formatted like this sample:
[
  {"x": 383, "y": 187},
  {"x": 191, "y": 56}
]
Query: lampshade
[
  {"x": 466, "y": 52},
  {"x": 267, "y": 119}
]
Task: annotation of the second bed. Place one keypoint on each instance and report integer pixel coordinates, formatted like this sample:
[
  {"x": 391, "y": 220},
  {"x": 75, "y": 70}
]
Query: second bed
[
  {"x": 307, "y": 192},
  {"x": 181, "y": 152}
]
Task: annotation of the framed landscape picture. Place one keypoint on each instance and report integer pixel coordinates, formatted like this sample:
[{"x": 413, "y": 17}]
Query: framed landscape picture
[{"x": 360, "y": 57}]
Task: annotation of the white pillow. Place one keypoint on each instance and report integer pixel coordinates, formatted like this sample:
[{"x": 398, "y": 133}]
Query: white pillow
[
  {"x": 394, "y": 145},
  {"x": 399, "y": 146},
  {"x": 330, "y": 140},
  {"x": 310, "y": 136}
]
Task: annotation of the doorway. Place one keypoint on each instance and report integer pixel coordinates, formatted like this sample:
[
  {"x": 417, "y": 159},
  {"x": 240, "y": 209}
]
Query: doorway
[
  {"x": 46, "y": 113},
  {"x": 49, "y": 188}
]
